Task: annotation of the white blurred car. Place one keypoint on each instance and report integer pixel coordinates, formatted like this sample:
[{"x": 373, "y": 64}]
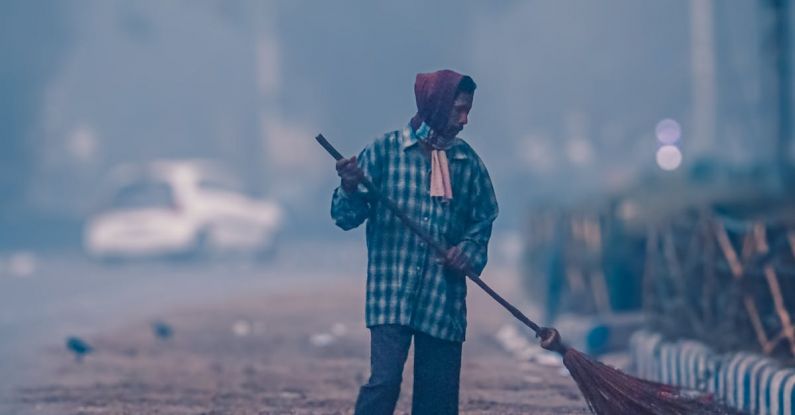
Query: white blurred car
[{"x": 179, "y": 209}]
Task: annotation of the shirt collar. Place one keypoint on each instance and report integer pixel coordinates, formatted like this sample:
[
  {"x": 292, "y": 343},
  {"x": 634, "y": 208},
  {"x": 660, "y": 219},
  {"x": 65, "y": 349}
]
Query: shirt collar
[{"x": 412, "y": 137}]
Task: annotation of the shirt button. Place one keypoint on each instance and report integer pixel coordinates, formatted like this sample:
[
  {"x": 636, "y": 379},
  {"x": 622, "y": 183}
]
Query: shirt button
[
  {"x": 422, "y": 244},
  {"x": 418, "y": 267},
  {"x": 425, "y": 218}
]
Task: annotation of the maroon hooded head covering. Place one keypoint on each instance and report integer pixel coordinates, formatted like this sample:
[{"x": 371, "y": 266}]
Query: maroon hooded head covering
[{"x": 435, "y": 93}]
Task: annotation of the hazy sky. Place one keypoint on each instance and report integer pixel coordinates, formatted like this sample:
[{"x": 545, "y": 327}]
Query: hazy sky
[{"x": 569, "y": 92}]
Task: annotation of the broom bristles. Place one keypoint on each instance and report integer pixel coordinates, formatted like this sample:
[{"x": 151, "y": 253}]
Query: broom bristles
[{"x": 609, "y": 391}]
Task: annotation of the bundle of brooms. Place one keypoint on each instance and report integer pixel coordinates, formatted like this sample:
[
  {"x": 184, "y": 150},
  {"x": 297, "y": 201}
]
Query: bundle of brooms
[{"x": 608, "y": 391}]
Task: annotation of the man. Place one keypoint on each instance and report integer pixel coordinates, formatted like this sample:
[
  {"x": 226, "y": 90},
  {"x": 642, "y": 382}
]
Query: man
[{"x": 441, "y": 183}]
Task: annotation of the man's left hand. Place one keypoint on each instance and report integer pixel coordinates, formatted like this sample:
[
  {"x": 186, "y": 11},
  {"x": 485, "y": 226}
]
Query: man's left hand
[{"x": 457, "y": 260}]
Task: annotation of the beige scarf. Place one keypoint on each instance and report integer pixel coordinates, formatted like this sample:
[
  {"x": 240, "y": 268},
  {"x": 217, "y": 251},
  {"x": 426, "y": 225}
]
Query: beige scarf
[
  {"x": 440, "y": 175},
  {"x": 440, "y": 171}
]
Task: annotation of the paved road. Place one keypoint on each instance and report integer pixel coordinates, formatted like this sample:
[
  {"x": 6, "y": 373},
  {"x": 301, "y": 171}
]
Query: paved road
[
  {"x": 62, "y": 294},
  {"x": 281, "y": 337}
]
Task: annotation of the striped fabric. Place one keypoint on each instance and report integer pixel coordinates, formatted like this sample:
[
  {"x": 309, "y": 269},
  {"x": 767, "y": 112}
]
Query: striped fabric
[
  {"x": 752, "y": 383},
  {"x": 405, "y": 283}
]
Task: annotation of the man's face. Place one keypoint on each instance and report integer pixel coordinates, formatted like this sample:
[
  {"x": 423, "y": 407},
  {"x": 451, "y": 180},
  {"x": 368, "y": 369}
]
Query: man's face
[{"x": 459, "y": 114}]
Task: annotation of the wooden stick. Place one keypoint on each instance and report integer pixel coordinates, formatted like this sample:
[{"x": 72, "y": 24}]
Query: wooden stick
[
  {"x": 775, "y": 289},
  {"x": 419, "y": 231},
  {"x": 737, "y": 272}
]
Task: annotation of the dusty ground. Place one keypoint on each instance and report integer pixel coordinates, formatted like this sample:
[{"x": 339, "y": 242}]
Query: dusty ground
[{"x": 298, "y": 351}]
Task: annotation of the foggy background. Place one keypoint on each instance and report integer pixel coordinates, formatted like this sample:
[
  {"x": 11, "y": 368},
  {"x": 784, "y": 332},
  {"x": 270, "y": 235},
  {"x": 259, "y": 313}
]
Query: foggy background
[{"x": 568, "y": 94}]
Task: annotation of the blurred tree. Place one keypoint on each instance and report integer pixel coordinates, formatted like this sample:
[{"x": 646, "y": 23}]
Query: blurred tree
[{"x": 33, "y": 37}]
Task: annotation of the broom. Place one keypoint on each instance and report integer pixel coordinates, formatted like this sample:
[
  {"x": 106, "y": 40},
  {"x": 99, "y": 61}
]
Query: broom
[{"x": 608, "y": 391}]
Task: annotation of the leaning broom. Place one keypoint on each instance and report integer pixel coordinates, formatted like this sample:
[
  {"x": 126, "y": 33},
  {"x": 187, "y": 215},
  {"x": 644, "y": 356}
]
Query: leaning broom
[{"x": 608, "y": 391}]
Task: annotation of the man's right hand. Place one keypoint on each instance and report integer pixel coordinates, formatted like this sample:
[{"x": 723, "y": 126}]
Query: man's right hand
[{"x": 350, "y": 173}]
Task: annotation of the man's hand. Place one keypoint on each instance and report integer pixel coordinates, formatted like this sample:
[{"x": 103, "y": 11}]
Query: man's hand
[
  {"x": 457, "y": 260},
  {"x": 350, "y": 173}
]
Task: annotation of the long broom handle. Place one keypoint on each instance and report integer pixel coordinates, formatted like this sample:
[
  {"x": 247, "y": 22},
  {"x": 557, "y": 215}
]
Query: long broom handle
[{"x": 419, "y": 231}]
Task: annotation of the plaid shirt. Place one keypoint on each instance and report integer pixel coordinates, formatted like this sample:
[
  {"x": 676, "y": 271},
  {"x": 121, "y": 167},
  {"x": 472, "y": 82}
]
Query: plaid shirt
[{"x": 406, "y": 284}]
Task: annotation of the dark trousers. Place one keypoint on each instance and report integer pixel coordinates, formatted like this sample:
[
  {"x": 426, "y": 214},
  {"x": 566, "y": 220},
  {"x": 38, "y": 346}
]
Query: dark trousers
[{"x": 437, "y": 369}]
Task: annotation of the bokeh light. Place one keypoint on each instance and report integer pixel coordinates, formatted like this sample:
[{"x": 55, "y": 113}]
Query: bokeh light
[
  {"x": 669, "y": 157},
  {"x": 668, "y": 131}
]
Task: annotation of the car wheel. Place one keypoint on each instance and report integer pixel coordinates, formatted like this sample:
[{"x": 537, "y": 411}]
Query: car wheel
[
  {"x": 198, "y": 249},
  {"x": 201, "y": 247}
]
